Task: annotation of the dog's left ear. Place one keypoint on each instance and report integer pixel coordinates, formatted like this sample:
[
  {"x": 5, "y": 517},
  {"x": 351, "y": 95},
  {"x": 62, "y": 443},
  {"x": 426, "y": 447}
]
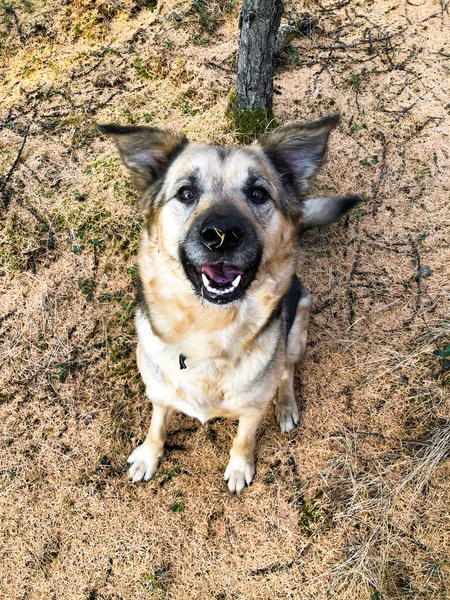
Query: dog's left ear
[
  {"x": 322, "y": 211},
  {"x": 297, "y": 151},
  {"x": 146, "y": 151}
]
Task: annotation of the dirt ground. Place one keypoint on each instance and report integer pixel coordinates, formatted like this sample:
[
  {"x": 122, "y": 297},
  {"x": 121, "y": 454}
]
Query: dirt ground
[{"x": 354, "y": 504}]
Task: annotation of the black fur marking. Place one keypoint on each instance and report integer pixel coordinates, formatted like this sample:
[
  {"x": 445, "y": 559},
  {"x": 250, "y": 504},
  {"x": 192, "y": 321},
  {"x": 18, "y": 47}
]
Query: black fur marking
[
  {"x": 274, "y": 315},
  {"x": 171, "y": 157},
  {"x": 113, "y": 129},
  {"x": 349, "y": 202},
  {"x": 141, "y": 303},
  {"x": 223, "y": 153},
  {"x": 143, "y": 307},
  {"x": 290, "y": 302},
  {"x": 288, "y": 181},
  {"x": 288, "y": 308},
  {"x": 182, "y": 359},
  {"x": 260, "y": 377}
]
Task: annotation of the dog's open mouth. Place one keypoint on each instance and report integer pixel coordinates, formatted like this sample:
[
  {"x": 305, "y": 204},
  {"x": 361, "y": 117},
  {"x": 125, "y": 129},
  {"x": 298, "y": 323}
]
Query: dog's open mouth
[
  {"x": 220, "y": 283},
  {"x": 221, "y": 279}
]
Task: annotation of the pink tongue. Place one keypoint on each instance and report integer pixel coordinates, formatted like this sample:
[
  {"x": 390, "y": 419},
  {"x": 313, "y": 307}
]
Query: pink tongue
[{"x": 221, "y": 273}]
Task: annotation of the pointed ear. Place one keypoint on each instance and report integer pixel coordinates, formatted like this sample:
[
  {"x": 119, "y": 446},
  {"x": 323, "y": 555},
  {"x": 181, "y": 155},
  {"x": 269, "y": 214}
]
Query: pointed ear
[
  {"x": 298, "y": 150},
  {"x": 146, "y": 151},
  {"x": 322, "y": 211}
]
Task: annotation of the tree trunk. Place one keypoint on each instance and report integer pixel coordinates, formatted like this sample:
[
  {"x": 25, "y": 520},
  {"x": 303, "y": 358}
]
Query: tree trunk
[{"x": 260, "y": 20}]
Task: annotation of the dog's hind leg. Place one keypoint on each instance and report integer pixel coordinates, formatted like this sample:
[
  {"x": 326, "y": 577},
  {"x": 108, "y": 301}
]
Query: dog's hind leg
[
  {"x": 144, "y": 459},
  {"x": 286, "y": 410},
  {"x": 241, "y": 467}
]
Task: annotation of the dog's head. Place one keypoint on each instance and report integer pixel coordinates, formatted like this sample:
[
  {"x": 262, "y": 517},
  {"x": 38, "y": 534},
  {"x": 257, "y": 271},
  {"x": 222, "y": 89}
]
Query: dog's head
[{"x": 229, "y": 213}]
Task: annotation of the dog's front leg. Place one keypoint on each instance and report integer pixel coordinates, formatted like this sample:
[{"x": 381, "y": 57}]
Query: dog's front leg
[
  {"x": 241, "y": 468},
  {"x": 144, "y": 459}
]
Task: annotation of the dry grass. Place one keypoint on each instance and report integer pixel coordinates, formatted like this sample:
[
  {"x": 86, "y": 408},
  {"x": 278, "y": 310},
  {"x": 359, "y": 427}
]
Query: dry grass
[{"x": 354, "y": 503}]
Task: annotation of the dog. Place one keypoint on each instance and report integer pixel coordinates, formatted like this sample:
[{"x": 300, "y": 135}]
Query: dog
[{"x": 221, "y": 315}]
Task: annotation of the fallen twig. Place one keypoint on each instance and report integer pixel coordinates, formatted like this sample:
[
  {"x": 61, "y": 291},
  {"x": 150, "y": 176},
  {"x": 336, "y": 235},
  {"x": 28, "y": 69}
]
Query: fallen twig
[
  {"x": 4, "y": 183},
  {"x": 402, "y": 112},
  {"x": 283, "y": 567},
  {"x": 350, "y": 292},
  {"x": 210, "y": 63},
  {"x": 32, "y": 212},
  {"x": 376, "y": 188},
  {"x": 380, "y": 436},
  {"x": 419, "y": 128},
  {"x": 418, "y": 279},
  {"x": 369, "y": 42},
  {"x": 333, "y": 8},
  {"x": 10, "y": 10},
  {"x": 8, "y": 314},
  {"x": 84, "y": 73}
]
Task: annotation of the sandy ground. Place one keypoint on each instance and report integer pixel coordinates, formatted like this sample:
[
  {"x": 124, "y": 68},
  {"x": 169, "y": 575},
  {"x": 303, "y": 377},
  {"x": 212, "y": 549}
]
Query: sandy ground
[{"x": 351, "y": 505}]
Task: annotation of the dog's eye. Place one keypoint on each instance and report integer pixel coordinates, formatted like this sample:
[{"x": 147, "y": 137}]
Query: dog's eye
[
  {"x": 258, "y": 195},
  {"x": 186, "y": 194}
]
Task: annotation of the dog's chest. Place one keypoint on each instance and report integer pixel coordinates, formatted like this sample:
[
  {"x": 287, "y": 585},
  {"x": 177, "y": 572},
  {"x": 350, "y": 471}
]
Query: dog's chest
[{"x": 191, "y": 380}]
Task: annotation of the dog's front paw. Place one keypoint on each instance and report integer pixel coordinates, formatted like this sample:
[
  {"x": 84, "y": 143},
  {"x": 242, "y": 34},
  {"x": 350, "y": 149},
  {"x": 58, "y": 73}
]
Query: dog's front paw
[
  {"x": 287, "y": 416},
  {"x": 239, "y": 473},
  {"x": 144, "y": 463}
]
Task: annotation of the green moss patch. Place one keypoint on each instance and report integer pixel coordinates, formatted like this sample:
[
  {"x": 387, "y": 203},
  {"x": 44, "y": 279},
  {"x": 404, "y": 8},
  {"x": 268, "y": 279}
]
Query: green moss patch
[{"x": 248, "y": 124}]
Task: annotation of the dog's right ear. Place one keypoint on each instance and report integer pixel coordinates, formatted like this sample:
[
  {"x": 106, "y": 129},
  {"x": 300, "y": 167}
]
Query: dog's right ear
[{"x": 146, "y": 151}]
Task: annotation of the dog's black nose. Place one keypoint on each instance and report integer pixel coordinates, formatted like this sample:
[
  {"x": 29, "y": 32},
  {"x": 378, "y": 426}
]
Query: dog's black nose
[{"x": 221, "y": 233}]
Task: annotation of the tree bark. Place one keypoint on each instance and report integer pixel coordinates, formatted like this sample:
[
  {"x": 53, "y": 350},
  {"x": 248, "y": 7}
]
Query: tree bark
[{"x": 260, "y": 20}]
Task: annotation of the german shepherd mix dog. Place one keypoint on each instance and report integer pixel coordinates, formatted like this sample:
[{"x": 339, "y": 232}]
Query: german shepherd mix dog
[{"x": 221, "y": 315}]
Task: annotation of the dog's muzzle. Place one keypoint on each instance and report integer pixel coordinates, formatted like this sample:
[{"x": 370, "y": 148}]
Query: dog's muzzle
[{"x": 221, "y": 255}]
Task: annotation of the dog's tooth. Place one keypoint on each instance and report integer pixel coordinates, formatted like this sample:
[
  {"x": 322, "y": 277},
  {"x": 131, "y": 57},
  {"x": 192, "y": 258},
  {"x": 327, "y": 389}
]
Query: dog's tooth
[
  {"x": 220, "y": 291},
  {"x": 236, "y": 282}
]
